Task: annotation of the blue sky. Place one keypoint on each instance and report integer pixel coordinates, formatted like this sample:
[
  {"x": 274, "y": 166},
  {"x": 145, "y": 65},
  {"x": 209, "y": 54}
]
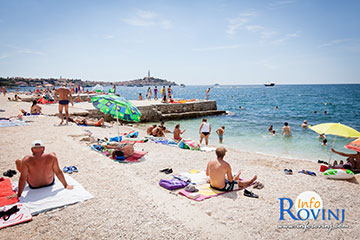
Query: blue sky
[{"x": 190, "y": 42}]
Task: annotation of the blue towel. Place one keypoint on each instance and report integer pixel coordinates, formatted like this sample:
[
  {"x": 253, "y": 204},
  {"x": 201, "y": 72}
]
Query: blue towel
[{"x": 116, "y": 139}]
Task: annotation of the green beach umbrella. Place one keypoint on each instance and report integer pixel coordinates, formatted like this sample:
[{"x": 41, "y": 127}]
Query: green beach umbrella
[{"x": 117, "y": 107}]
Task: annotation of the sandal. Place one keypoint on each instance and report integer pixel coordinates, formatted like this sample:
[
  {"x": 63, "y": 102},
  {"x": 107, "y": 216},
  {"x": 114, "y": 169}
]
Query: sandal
[
  {"x": 258, "y": 185},
  {"x": 288, "y": 171},
  {"x": 164, "y": 170},
  {"x": 8, "y": 173},
  {"x": 6, "y": 214},
  {"x": 247, "y": 193},
  {"x": 74, "y": 169},
  {"x": 67, "y": 170}
]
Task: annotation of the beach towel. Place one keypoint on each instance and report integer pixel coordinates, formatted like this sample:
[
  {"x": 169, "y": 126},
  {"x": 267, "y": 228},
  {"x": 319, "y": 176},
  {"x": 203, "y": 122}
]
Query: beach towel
[
  {"x": 189, "y": 144},
  {"x": 5, "y": 191},
  {"x": 163, "y": 140},
  {"x": 200, "y": 181},
  {"x": 23, "y": 215},
  {"x": 55, "y": 196},
  {"x": 12, "y": 123},
  {"x": 135, "y": 157}
]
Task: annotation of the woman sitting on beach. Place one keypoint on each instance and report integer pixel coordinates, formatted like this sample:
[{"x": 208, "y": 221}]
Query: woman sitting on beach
[
  {"x": 178, "y": 132},
  {"x": 35, "y": 108},
  {"x": 84, "y": 121},
  {"x": 158, "y": 132}
]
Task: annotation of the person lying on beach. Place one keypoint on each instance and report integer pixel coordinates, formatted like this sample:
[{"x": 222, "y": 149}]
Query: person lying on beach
[
  {"x": 220, "y": 173},
  {"x": 178, "y": 132},
  {"x": 39, "y": 169},
  {"x": 16, "y": 98},
  {"x": 286, "y": 131},
  {"x": 150, "y": 129},
  {"x": 35, "y": 108},
  {"x": 125, "y": 150},
  {"x": 220, "y": 133},
  {"x": 87, "y": 122},
  {"x": 354, "y": 159},
  {"x": 78, "y": 99}
]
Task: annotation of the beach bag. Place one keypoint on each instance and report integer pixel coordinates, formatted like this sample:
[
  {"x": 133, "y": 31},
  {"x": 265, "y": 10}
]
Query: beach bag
[
  {"x": 172, "y": 184},
  {"x": 183, "y": 145}
]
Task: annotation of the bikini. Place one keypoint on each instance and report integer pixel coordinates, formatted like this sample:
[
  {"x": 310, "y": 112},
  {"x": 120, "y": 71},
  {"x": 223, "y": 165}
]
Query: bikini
[
  {"x": 52, "y": 183},
  {"x": 205, "y": 129}
]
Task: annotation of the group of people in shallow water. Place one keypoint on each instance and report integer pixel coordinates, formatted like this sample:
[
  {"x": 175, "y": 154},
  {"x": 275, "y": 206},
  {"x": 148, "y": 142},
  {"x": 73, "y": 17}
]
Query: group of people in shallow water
[{"x": 204, "y": 131}]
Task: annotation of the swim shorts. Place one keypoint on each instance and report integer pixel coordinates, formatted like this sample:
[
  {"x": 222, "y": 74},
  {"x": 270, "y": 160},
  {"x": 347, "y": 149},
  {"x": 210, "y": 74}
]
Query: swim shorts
[
  {"x": 229, "y": 186},
  {"x": 221, "y": 136},
  {"x": 205, "y": 133},
  {"x": 64, "y": 102},
  {"x": 52, "y": 183}
]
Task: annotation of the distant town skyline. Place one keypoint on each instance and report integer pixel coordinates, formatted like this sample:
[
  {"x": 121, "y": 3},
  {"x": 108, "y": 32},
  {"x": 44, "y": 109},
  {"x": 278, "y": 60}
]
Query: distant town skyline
[{"x": 188, "y": 42}]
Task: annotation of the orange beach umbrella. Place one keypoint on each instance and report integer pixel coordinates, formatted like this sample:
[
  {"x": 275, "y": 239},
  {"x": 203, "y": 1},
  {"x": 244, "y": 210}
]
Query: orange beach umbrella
[{"x": 354, "y": 145}]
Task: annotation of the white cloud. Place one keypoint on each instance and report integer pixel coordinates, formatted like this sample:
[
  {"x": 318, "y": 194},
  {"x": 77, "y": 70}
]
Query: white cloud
[
  {"x": 3, "y": 56},
  {"x": 108, "y": 36},
  {"x": 147, "y": 19},
  {"x": 254, "y": 28},
  {"x": 234, "y": 24},
  {"x": 286, "y": 38},
  {"x": 216, "y": 48},
  {"x": 29, "y": 51},
  {"x": 280, "y": 4},
  {"x": 335, "y": 42},
  {"x": 270, "y": 66}
]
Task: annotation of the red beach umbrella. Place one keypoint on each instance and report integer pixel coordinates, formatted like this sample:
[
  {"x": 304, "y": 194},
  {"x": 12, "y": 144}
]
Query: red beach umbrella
[{"x": 354, "y": 145}]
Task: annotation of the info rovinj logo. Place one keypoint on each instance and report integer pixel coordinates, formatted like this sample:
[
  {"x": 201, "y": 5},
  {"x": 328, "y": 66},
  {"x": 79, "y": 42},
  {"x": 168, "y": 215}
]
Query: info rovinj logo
[{"x": 309, "y": 206}]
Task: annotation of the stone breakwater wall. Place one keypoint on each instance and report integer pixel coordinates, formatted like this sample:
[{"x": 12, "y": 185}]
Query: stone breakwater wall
[{"x": 159, "y": 112}]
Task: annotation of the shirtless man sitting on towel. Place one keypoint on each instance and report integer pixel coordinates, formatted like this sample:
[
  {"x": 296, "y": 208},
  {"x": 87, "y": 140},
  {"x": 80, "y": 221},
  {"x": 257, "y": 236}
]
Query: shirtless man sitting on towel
[
  {"x": 39, "y": 169},
  {"x": 64, "y": 96},
  {"x": 218, "y": 169}
]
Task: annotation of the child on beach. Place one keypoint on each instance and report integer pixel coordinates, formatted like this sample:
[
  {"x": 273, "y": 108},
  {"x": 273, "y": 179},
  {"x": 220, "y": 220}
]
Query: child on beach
[
  {"x": 220, "y": 133},
  {"x": 220, "y": 174},
  {"x": 178, "y": 132},
  {"x": 140, "y": 96}
]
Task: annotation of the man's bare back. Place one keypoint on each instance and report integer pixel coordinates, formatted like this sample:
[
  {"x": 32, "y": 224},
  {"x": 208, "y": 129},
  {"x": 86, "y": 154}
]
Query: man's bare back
[
  {"x": 39, "y": 169},
  {"x": 64, "y": 93}
]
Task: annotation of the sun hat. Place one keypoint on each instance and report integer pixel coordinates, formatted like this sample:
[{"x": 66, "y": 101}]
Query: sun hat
[{"x": 37, "y": 143}]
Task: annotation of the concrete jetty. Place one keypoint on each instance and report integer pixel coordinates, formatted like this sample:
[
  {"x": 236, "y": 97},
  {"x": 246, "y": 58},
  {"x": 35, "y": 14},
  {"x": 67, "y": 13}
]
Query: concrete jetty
[{"x": 151, "y": 110}]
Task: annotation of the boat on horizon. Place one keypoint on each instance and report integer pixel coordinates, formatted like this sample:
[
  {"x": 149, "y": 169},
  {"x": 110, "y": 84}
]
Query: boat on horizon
[{"x": 269, "y": 84}]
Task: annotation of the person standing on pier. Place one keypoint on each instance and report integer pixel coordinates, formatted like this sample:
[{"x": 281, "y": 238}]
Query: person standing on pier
[
  {"x": 155, "y": 93},
  {"x": 207, "y": 94},
  {"x": 170, "y": 92},
  {"x": 163, "y": 92}
]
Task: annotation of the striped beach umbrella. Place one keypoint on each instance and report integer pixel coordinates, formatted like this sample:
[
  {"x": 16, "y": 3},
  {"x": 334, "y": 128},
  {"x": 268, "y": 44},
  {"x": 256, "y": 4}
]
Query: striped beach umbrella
[{"x": 117, "y": 107}]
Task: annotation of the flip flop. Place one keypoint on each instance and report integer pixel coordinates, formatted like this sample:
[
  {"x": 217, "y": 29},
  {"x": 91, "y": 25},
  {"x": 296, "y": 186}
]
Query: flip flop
[
  {"x": 8, "y": 173},
  {"x": 74, "y": 169},
  {"x": 247, "y": 193},
  {"x": 168, "y": 171},
  {"x": 164, "y": 170},
  {"x": 308, "y": 172},
  {"x": 288, "y": 171},
  {"x": 67, "y": 170},
  {"x": 258, "y": 185}
]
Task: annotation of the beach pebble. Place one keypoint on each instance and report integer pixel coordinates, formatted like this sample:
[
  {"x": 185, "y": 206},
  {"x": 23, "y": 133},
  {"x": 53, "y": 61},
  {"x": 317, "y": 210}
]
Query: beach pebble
[{"x": 208, "y": 212}]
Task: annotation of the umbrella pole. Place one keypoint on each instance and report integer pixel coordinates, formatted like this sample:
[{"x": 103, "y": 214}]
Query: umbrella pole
[
  {"x": 331, "y": 151},
  {"x": 117, "y": 120}
]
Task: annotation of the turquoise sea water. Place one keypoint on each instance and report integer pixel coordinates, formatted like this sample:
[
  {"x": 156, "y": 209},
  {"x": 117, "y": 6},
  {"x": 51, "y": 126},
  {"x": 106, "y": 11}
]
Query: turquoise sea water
[{"x": 246, "y": 129}]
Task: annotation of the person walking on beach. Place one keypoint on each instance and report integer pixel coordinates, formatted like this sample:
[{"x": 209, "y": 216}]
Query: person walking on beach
[
  {"x": 207, "y": 94},
  {"x": 4, "y": 90},
  {"x": 148, "y": 93},
  {"x": 39, "y": 169},
  {"x": 155, "y": 93},
  {"x": 220, "y": 174},
  {"x": 64, "y": 96},
  {"x": 205, "y": 130},
  {"x": 286, "y": 131},
  {"x": 220, "y": 133}
]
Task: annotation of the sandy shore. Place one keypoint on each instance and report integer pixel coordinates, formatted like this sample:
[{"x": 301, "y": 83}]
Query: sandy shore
[{"x": 130, "y": 204}]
